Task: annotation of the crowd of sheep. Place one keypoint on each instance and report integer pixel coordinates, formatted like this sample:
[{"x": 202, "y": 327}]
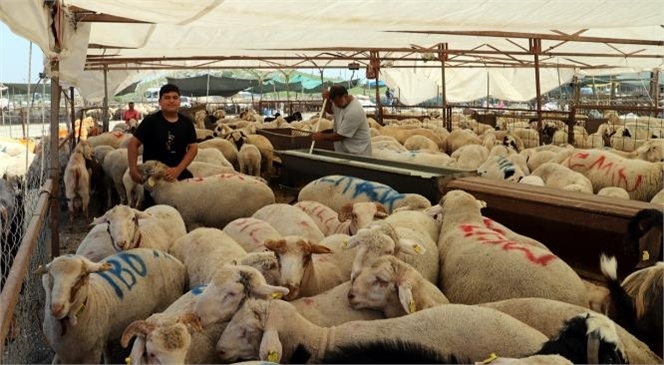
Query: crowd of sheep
[{"x": 354, "y": 271}]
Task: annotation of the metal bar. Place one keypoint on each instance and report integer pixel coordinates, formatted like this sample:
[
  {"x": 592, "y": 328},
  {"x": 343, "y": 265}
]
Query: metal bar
[
  {"x": 575, "y": 101},
  {"x": 535, "y": 48},
  {"x": 104, "y": 117},
  {"x": 12, "y": 288},
  {"x": 379, "y": 109},
  {"x": 54, "y": 168},
  {"x": 73, "y": 117},
  {"x": 654, "y": 87}
]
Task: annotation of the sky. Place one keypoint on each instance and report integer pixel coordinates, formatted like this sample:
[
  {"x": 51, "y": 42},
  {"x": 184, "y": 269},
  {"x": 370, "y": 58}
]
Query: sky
[{"x": 14, "y": 56}]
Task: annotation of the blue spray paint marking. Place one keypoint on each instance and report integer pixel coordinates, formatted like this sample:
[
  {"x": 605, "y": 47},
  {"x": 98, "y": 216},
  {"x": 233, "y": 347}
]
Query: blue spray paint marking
[
  {"x": 376, "y": 192},
  {"x": 125, "y": 271},
  {"x": 197, "y": 290}
]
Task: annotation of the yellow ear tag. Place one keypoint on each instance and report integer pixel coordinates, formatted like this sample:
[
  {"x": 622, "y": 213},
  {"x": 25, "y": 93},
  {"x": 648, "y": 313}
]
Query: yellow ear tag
[
  {"x": 645, "y": 256},
  {"x": 272, "y": 356},
  {"x": 417, "y": 249},
  {"x": 344, "y": 243},
  {"x": 277, "y": 295},
  {"x": 79, "y": 310},
  {"x": 490, "y": 359},
  {"x": 128, "y": 360},
  {"x": 411, "y": 306},
  {"x": 151, "y": 182}
]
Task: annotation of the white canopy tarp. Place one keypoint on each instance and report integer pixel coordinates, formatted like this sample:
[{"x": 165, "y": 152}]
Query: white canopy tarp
[{"x": 256, "y": 28}]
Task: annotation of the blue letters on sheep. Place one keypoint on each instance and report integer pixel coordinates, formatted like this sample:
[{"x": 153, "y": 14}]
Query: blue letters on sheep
[
  {"x": 198, "y": 290},
  {"x": 125, "y": 269},
  {"x": 375, "y": 191}
]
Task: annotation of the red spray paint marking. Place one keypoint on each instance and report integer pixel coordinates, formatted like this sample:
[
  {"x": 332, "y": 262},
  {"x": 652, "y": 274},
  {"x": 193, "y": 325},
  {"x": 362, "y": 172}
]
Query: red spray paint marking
[
  {"x": 618, "y": 178},
  {"x": 623, "y": 178},
  {"x": 488, "y": 223},
  {"x": 494, "y": 238},
  {"x": 308, "y": 301}
]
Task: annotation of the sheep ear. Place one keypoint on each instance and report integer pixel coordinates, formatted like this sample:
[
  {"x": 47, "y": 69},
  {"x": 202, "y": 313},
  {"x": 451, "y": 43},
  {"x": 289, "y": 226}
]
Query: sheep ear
[
  {"x": 320, "y": 249},
  {"x": 192, "y": 321},
  {"x": 346, "y": 212},
  {"x": 266, "y": 291},
  {"x": 481, "y": 203},
  {"x": 406, "y": 297},
  {"x": 271, "y": 349},
  {"x": 90, "y": 266},
  {"x": 138, "y": 328},
  {"x": 352, "y": 242},
  {"x": 137, "y": 351},
  {"x": 41, "y": 270},
  {"x": 410, "y": 247},
  {"x": 100, "y": 220},
  {"x": 142, "y": 215},
  {"x": 275, "y": 245},
  {"x": 381, "y": 211}
]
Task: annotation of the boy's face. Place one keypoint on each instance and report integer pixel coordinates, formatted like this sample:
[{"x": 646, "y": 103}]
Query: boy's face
[{"x": 170, "y": 102}]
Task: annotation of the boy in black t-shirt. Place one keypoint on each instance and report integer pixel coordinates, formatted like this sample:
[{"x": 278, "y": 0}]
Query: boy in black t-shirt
[{"x": 166, "y": 136}]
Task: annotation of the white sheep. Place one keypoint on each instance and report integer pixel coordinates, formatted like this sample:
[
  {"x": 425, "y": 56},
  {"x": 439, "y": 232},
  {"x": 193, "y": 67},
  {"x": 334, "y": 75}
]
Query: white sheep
[
  {"x": 271, "y": 330},
  {"x": 331, "y": 308},
  {"x": 211, "y": 201},
  {"x": 308, "y": 268},
  {"x": 115, "y": 164},
  {"x": 77, "y": 181},
  {"x": 560, "y": 177},
  {"x": 420, "y": 143},
  {"x": 532, "y": 180},
  {"x": 289, "y": 220},
  {"x": 227, "y": 148},
  {"x": 479, "y": 264},
  {"x": 641, "y": 179},
  {"x": 658, "y": 198},
  {"x": 88, "y": 304},
  {"x": 470, "y": 157},
  {"x": 135, "y": 191},
  {"x": 393, "y": 287},
  {"x": 500, "y": 168},
  {"x": 265, "y": 262},
  {"x": 264, "y": 146},
  {"x": 112, "y": 139},
  {"x": 97, "y": 244},
  {"x": 423, "y": 157},
  {"x": 212, "y": 156},
  {"x": 348, "y": 221},
  {"x": 251, "y": 233},
  {"x": 335, "y": 191},
  {"x": 156, "y": 227},
  {"x": 203, "y": 251},
  {"x": 174, "y": 336},
  {"x": 537, "y": 158},
  {"x": 249, "y": 158},
  {"x": 614, "y": 192},
  {"x": 401, "y": 134},
  {"x": 458, "y": 139}
]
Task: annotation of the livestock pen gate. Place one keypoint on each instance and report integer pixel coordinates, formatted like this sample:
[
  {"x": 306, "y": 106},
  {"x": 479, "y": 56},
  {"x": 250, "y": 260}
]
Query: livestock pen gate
[{"x": 25, "y": 191}]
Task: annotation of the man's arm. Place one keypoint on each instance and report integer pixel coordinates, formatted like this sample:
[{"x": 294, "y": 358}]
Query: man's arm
[
  {"x": 173, "y": 172},
  {"x": 132, "y": 158}
]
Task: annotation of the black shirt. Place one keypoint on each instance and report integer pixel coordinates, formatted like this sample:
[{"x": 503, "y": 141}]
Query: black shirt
[{"x": 165, "y": 141}]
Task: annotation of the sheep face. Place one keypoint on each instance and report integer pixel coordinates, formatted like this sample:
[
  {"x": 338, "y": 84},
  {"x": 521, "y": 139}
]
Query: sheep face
[
  {"x": 266, "y": 263},
  {"x": 651, "y": 151},
  {"x": 361, "y": 214},
  {"x": 228, "y": 289},
  {"x": 374, "y": 287},
  {"x": 160, "y": 339},
  {"x": 294, "y": 256},
  {"x": 65, "y": 281},
  {"x": 123, "y": 226},
  {"x": 499, "y": 168},
  {"x": 242, "y": 337}
]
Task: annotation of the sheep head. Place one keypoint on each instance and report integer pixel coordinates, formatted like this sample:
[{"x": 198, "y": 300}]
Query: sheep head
[
  {"x": 123, "y": 226},
  {"x": 244, "y": 334},
  {"x": 161, "y": 338}
]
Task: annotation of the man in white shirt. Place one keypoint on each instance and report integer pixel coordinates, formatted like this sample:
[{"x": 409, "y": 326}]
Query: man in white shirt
[{"x": 351, "y": 130}]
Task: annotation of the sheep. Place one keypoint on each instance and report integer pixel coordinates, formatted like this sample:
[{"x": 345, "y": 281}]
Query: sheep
[
  {"x": 203, "y": 134},
  {"x": 641, "y": 179},
  {"x": 529, "y": 137},
  {"x": 115, "y": 164},
  {"x": 203, "y": 251},
  {"x": 458, "y": 139},
  {"x": 249, "y": 158},
  {"x": 614, "y": 192},
  {"x": 227, "y": 148},
  {"x": 83, "y": 311},
  {"x": 156, "y": 227},
  {"x": 264, "y": 146},
  {"x": 402, "y": 134},
  {"x": 100, "y": 152},
  {"x": 251, "y": 233},
  {"x": 289, "y": 220},
  {"x": 307, "y": 275},
  {"x": 532, "y": 180},
  {"x": 420, "y": 143},
  {"x": 500, "y": 168},
  {"x": 561, "y": 177},
  {"x": 636, "y": 304},
  {"x": 394, "y": 287},
  {"x": 546, "y": 316},
  {"x": 423, "y": 157},
  {"x": 112, "y": 139},
  {"x": 651, "y": 151},
  {"x": 658, "y": 198},
  {"x": 229, "y": 287},
  {"x": 77, "y": 181},
  {"x": 331, "y": 308},
  {"x": 523, "y": 270},
  {"x": 97, "y": 244},
  {"x": 411, "y": 245},
  {"x": 174, "y": 336},
  {"x": 470, "y": 156},
  {"x": 537, "y": 158},
  {"x": 211, "y": 201},
  {"x": 643, "y": 238},
  {"x": 265, "y": 262},
  {"x": 212, "y": 156},
  {"x": 135, "y": 191},
  {"x": 272, "y": 330},
  {"x": 335, "y": 191},
  {"x": 348, "y": 221},
  {"x": 387, "y": 143},
  {"x": 203, "y": 169}
]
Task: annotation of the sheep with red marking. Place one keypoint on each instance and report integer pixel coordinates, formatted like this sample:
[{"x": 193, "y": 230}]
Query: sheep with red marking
[
  {"x": 561, "y": 177},
  {"x": 481, "y": 265},
  {"x": 289, "y": 220},
  {"x": 251, "y": 233},
  {"x": 348, "y": 221},
  {"x": 335, "y": 191},
  {"x": 211, "y": 201},
  {"x": 88, "y": 304},
  {"x": 641, "y": 179}
]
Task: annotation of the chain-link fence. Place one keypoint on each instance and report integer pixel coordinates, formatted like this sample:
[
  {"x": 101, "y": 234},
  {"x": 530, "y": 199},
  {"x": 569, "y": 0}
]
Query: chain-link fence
[{"x": 25, "y": 235}]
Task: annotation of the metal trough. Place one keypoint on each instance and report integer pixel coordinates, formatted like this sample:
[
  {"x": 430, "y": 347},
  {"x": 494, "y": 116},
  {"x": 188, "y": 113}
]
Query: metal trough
[
  {"x": 298, "y": 166},
  {"x": 575, "y": 226}
]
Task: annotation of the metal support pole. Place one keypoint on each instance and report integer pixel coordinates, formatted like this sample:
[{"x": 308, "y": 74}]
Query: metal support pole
[
  {"x": 54, "y": 171},
  {"x": 442, "y": 56},
  {"x": 72, "y": 110},
  {"x": 654, "y": 89},
  {"x": 375, "y": 64},
  {"x": 535, "y": 49},
  {"x": 576, "y": 91},
  {"x": 104, "y": 117}
]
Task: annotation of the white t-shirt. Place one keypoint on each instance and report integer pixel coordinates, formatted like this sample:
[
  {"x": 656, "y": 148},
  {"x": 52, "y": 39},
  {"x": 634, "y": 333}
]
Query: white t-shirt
[{"x": 351, "y": 122}]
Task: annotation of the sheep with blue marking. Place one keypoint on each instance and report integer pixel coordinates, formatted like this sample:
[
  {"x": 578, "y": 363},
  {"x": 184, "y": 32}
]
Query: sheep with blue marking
[
  {"x": 500, "y": 168},
  {"x": 335, "y": 191},
  {"x": 88, "y": 304}
]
